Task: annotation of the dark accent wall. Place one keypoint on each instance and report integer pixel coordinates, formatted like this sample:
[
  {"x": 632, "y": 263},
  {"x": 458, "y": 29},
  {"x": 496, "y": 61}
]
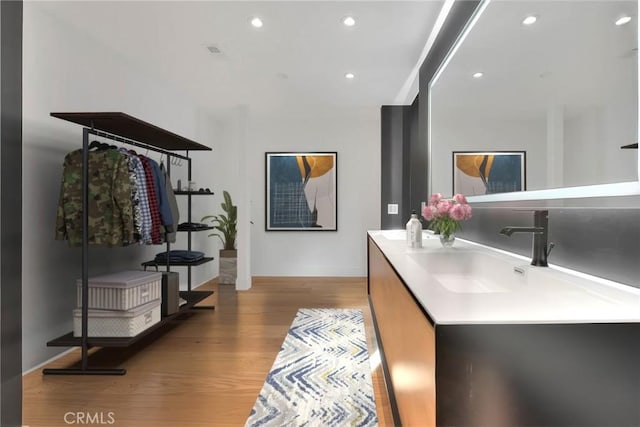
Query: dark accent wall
[
  {"x": 399, "y": 124},
  {"x": 416, "y": 152},
  {"x": 11, "y": 213},
  {"x": 392, "y": 163}
]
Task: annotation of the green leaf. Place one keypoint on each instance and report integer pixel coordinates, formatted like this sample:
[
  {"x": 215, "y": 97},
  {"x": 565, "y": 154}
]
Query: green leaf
[{"x": 225, "y": 223}]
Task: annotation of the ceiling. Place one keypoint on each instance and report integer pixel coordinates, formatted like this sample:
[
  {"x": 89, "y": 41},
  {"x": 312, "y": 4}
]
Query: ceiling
[{"x": 297, "y": 59}]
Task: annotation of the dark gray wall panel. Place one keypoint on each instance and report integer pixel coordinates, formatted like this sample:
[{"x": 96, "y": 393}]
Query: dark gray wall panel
[
  {"x": 402, "y": 157},
  {"x": 11, "y": 213},
  {"x": 393, "y": 159},
  {"x": 601, "y": 242},
  {"x": 417, "y": 161}
]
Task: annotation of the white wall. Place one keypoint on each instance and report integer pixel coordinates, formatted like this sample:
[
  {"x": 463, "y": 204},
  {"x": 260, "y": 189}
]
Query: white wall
[
  {"x": 231, "y": 172},
  {"x": 244, "y": 136},
  {"x": 355, "y": 135},
  {"x": 65, "y": 70}
]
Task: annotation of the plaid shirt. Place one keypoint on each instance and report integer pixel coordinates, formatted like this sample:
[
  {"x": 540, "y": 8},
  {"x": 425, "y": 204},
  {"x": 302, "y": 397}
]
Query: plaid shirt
[
  {"x": 132, "y": 161},
  {"x": 152, "y": 197},
  {"x": 145, "y": 211}
]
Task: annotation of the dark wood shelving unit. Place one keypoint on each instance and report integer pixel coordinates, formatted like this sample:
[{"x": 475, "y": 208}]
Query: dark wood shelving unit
[
  {"x": 129, "y": 127},
  {"x": 189, "y": 194},
  {"x": 121, "y": 127},
  {"x": 68, "y": 340}
]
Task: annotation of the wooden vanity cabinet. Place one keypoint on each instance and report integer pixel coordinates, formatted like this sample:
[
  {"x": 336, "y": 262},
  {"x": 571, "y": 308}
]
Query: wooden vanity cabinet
[{"x": 408, "y": 341}]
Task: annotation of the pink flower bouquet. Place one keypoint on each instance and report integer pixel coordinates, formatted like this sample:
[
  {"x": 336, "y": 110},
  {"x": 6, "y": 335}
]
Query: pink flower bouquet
[{"x": 444, "y": 215}]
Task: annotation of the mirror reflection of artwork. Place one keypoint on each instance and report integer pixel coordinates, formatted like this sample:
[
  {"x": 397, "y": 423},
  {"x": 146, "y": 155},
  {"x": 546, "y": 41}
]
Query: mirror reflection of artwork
[
  {"x": 476, "y": 173},
  {"x": 301, "y": 191}
]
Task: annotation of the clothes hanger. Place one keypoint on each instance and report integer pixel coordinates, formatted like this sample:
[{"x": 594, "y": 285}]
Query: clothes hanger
[{"x": 94, "y": 144}]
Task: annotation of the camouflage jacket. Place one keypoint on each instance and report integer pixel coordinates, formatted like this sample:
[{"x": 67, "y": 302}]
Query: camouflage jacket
[{"x": 110, "y": 205}]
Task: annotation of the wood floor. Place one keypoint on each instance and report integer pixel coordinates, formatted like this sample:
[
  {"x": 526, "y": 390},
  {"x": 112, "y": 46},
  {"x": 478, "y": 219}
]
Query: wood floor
[{"x": 204, "y": 370}]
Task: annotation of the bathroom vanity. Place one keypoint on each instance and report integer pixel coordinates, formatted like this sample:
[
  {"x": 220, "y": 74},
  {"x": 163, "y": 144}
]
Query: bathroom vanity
[{"x": 471, "y": 336}]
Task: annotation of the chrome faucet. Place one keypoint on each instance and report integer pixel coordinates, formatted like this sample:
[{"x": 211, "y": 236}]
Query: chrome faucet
[{"x": 540, "y": 230}]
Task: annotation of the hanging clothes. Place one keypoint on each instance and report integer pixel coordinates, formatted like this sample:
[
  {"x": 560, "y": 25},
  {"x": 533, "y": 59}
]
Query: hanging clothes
[
  {"x": 145, "y": 209},
  {"x": 133, "y": 162},
  {"x": 110, "y": 206},
  {"x": 152, "y": 196},
  {"x": 130, "y": 199},
  {"x": 173, "y": 204},
  {"x": 166, "y": 217}
]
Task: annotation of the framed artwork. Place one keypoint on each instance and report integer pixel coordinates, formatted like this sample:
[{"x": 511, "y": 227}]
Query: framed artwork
[
  {"x": 301, "y": 191},
  {"x": 488, "y": 172}
]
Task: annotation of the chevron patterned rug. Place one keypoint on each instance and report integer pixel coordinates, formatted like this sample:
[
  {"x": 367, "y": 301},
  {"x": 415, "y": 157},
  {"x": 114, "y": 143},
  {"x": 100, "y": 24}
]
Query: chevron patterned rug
[{"x": 321, "y": 376}]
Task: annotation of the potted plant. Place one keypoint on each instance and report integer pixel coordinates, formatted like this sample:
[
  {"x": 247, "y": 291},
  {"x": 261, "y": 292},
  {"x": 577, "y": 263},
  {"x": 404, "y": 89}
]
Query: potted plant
[{"x": 225, "y": 224}]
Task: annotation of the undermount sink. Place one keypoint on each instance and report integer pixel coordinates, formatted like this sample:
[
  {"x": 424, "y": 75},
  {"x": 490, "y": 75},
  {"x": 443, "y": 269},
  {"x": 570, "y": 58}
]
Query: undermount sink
[
  {"x": 471, "y": 271},
  {"x": 476, "y": 272},
  {"x": 464, "y": 284}
]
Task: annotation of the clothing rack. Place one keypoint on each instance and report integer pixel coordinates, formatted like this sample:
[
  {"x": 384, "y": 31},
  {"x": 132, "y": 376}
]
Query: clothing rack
[
  {"x": 117, "y": 138},
  {"x": 162, "y": 139}
]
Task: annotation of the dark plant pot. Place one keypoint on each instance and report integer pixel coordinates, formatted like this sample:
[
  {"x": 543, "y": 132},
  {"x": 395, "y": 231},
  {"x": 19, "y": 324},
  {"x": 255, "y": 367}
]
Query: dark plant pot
[{"x": 228, "y": 267}]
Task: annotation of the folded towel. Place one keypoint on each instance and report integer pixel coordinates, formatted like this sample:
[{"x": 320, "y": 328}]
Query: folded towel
[
  {"x": 186, "y": 226},
  {"x": 179, "y": 255}
]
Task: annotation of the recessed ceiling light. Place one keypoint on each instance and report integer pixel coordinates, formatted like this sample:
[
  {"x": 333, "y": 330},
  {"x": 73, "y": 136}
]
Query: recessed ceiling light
[
  {"x": 529, "y": 20},
  {"x": 623, "y": 20},
  {"x": 349, "y": 21},
  {"x": 477, "y": 75},
  {"x": 256, "y": 22},
  {"x": 349, "y": 76}
]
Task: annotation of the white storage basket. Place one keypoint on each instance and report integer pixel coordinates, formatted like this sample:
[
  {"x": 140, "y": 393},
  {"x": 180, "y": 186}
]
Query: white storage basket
[
  {"x": 118, "y": 323},
  {"x": 123, "y": 290}
]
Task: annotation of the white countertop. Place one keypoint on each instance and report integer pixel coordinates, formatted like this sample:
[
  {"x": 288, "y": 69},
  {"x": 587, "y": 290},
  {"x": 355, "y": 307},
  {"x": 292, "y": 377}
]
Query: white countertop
[{"x": 471, "y": 283}]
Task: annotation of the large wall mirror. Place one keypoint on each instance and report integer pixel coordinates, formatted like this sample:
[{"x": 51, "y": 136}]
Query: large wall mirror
[{"x": 561, "y": 87}]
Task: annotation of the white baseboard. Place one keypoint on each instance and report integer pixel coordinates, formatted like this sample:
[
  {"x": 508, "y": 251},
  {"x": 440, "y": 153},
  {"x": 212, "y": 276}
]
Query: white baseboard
[{"x": 46, "y": 362}]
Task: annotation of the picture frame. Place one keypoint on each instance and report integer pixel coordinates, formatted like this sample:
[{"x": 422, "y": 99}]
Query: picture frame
[
  {"x": 488, "y": 172},
  {"x": 301, "y": 191}
]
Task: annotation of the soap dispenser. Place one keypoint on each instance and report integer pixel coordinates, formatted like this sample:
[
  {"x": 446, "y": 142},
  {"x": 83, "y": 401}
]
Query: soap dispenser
[{"x": 414, "y": 231}]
